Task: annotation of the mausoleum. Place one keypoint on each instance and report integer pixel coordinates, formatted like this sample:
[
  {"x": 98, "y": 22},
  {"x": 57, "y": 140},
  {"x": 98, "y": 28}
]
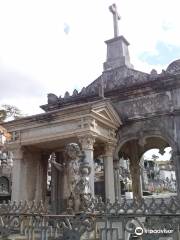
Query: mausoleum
[{"x": 122, "y": 113}]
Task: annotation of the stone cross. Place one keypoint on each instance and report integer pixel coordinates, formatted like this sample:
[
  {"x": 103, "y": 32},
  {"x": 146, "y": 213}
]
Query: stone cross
[{"x": 116, "y": 17}]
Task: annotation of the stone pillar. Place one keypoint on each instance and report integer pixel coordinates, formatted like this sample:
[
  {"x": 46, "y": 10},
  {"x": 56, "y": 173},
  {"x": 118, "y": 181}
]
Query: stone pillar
[
  {"x": 176, "y": 160},
  {"x": 29, "y": 175},
  {"x": 87, "y": 142},
  {"x": 117, "y": 184},
  {"x": 41, "y": 170},
  {"x": 109, "y": 172},
  {"x": 135, "y": 170},
  {"x": 35, "y": 180},
  {"x": 17, "y": 175},
  {"x": 57, "y": 186},
  {"x": 136, "y": 178},
  {"x": 117, "y": 53}
]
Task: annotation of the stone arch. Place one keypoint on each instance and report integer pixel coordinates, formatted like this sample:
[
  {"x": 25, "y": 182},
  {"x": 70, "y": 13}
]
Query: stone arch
[
  {"x": 144, "y": 133},
  {"x": 137, "y": 136}
]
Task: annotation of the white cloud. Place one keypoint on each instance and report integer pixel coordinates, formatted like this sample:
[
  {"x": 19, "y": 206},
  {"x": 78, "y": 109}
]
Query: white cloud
[
  {"x": 144, "y": 25},
  {"x": 34, "y": 45},
  {"x": 160, "y": 157}
]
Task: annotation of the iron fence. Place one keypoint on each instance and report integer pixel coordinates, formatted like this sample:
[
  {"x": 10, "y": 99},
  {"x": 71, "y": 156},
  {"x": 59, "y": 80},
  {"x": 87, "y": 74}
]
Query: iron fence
[{"x": 148, "y": 219}]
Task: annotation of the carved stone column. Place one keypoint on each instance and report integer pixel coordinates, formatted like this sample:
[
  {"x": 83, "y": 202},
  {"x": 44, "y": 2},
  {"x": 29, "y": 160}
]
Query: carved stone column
[
  {"x": 35, "y": 179},
  {"x": 29, "y": 174},
  {"x": 176, "y": 160},
  {"x": 108, "y": 171},
  {"x": 87, "y": 142},
  {"x": 40, "y": 169},
  {"x": 117, "y": 183},
  {"x": 136, "y": 179},
  {"x": 58, "y": 202},
  {"x": 17, "y": 174},
  {"x": 135, "y": 170}
]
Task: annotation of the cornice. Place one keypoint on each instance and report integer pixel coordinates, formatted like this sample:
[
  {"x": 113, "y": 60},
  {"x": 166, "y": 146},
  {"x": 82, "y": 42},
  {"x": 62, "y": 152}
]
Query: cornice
[{"x": 124, "y": 91}]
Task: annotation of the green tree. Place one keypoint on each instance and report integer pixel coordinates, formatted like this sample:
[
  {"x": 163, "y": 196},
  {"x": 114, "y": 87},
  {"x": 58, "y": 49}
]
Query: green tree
[{"x": 9, "y": 111}]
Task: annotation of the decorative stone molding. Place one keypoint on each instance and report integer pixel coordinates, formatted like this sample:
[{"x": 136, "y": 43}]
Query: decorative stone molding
[
  {"x": 174, "y": 67},
  {"x": 109, "y": 149},
  {"x": 17, "y": 150},
  {"x": 15, "y": 136},
  {"x": 18, "y": 154},
  {"x": 112, "y": 133},
  {"x": 142, "y": 139},
  {"x": 88, "y": 123},
  {"x": 87, "y": 141}
]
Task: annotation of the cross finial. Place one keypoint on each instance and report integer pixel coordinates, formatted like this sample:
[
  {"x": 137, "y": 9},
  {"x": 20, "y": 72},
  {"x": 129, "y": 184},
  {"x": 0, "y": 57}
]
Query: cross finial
[{"x": 116, "y": 17}]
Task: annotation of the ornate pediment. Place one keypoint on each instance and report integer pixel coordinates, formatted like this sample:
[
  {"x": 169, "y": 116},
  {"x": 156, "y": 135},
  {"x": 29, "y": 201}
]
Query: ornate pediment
[
  {"x": 105, "y": 114},
  {"x": 98, "y": 118},
  {"x": 105, "y": 111}
]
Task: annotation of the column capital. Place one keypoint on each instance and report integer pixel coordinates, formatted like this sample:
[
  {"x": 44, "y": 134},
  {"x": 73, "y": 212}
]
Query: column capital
[
  {"x": 18, "y": 154},
  {"x": 109, "y": 149},
  {"x": 17, "y": 150},
  {"x": 87, "y": 141}
]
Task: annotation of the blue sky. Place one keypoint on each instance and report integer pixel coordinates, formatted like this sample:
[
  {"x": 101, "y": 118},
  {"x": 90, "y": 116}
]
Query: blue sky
[
  {"x": 56, "y": 46},
  {"x": 164, "y": 54}
]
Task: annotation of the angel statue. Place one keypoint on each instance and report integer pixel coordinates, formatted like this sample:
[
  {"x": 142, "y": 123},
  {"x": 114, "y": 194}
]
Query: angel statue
[{"x": 71, "y": 176}]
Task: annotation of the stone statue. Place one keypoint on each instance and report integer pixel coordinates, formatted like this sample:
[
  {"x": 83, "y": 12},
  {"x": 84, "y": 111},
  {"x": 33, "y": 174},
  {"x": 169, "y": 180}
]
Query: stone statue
[
  {"x": 70, "y": 168},
  {"x": 52, "y": 98},
  {"x": 76, "y": 180}
]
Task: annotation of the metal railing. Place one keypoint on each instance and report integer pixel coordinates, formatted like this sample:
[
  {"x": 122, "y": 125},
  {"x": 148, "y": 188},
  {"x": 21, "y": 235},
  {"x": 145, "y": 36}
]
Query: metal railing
[{"x": 148, "y": 219}]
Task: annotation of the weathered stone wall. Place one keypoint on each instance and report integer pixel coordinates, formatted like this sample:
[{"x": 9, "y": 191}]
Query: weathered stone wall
[
  {"x": 151, "y": 113},
  {"x": 157, "y": 115},
  {"x": 145, "y": 105}
]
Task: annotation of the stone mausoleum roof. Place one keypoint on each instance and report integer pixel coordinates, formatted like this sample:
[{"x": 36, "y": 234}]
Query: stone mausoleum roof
[
  {"x": 174, "y": 67},
  {"x": 120, "y": 79}
]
